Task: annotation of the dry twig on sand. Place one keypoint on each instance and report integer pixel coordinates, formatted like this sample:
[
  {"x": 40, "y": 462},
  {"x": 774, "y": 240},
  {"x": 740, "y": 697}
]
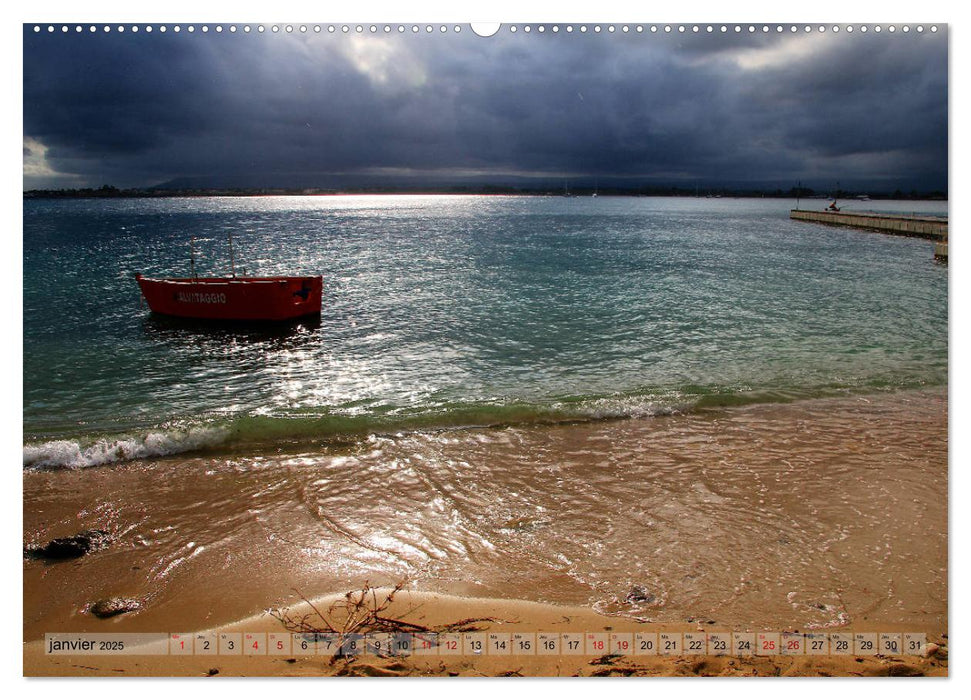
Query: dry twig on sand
[{"x": 365, "y": 611}]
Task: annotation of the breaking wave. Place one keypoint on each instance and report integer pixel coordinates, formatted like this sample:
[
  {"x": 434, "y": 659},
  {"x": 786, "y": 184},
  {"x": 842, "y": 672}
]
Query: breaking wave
[
  {"x": 248, "y": 433},
  {"x": 75, "y": 454}
]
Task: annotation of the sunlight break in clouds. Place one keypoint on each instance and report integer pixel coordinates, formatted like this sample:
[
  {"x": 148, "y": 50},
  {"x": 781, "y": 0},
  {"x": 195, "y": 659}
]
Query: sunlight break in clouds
[
  {"x": 385, "y": 62},
  {"x": 787, "y": 51},
  {"x": 35, "y": 159}
]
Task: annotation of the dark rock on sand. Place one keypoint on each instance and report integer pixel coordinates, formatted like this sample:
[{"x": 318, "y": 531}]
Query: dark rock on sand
[
  {"x": 606, "y": 659},
  {"x": 639, "y": 594},
  {"x": 904, "y": 670},
  {"x": 70, "y": 547},
  {"x": 115, "y": 606}
]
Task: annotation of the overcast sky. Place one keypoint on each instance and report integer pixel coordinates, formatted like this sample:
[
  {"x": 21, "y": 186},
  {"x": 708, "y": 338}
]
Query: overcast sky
[{"x": 139, "y": 109}]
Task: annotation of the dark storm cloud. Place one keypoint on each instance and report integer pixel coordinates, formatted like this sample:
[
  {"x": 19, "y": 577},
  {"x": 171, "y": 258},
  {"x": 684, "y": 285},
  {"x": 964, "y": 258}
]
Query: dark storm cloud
[{"x": 766, "y": 108}]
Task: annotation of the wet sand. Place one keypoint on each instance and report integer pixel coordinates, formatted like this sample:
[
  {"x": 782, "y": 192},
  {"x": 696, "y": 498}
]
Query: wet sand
[{"x": 818, "y": 515}]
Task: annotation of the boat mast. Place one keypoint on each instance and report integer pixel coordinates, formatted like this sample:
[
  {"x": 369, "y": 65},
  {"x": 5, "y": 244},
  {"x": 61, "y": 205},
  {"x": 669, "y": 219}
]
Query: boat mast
[
  {"x": 232, "y": 257},
  {"x": 192, "y": 256}
]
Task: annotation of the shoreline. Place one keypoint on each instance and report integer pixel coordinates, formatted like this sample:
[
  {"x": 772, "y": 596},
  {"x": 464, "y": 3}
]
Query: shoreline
[
  {"x": 221, "y": 440},
  {"x": 479, "y": 190}
]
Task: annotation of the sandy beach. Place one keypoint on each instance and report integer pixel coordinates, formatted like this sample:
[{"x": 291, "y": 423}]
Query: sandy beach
[
  {"x": 503, "y": 616},
  {"x": 827, "y": 515}
]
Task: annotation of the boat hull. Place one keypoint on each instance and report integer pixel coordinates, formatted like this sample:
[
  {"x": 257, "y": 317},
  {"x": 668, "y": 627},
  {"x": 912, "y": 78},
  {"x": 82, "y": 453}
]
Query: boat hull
[{"x": 234, "y": 298}]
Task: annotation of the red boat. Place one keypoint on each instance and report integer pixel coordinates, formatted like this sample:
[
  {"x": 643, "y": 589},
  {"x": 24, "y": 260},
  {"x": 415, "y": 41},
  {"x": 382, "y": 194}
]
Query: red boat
[{"x": 234, "y": 298}]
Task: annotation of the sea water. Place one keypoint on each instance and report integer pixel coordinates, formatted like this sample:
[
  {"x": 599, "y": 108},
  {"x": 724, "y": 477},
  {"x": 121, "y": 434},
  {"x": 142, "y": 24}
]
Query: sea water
[{"x": 453, "y": 311}]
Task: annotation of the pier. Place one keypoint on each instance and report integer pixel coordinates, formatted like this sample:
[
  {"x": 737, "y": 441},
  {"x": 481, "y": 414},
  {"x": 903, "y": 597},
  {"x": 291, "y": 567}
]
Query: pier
[{"x": 931, "y": 227}]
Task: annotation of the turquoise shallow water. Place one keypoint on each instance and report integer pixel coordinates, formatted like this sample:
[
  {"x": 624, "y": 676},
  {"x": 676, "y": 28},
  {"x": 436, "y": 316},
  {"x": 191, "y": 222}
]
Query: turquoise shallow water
[{"x": 452, "y": 311}]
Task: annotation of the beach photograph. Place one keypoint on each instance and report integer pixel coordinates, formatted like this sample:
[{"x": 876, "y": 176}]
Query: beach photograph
[{"x": 485, "y": 350}]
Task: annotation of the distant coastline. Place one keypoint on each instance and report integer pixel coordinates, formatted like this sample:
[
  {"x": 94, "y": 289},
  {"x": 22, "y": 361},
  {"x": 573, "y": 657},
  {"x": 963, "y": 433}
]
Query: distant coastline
[{"x": 110, "y": 192}]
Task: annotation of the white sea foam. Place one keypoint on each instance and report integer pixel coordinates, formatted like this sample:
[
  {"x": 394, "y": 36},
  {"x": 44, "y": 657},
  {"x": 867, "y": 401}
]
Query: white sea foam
[
  {"x": 71, "y": 454},
  {"x": 629, "y": 407}
]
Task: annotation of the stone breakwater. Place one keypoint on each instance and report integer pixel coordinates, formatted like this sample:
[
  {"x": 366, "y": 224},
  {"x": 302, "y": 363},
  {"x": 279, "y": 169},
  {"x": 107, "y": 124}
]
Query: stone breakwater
[{"x": 934, "y": 228}]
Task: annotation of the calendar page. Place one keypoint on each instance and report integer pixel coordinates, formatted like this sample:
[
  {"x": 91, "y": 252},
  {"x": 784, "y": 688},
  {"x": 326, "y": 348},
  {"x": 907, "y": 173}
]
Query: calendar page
[{"x": 370, "y": 348}]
